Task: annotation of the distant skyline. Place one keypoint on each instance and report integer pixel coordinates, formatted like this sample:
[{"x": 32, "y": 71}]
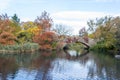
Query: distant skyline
[{"x": 73, "y": 13}]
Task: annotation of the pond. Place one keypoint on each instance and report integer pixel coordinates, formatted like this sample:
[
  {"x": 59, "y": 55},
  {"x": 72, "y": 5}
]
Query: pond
[{"x": 58, "y": 66}]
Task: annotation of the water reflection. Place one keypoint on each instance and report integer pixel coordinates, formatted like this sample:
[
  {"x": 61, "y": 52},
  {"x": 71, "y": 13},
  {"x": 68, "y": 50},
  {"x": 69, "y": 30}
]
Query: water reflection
[
  {"x": 8, "y": 67},
  {"x": 50, "y": 65}
]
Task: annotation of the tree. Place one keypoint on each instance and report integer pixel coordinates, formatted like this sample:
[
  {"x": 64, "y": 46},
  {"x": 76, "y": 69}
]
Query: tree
[
  {"x": 101, "y": 28},
  {"x": 15, "y": 23},
  {"x": 5, "y": 23},
  {"x": 8, "y": 25},
  {"x": 7, "y": 38},
  {"x": 28, "y": 34},
  {"x": 44, "y": 21},
  {"x": 116, "y": 22},
  {"x": 6, "y": 31},
  {"x": 47, "y": 40},
  {"x": 62, "y": 29},
  {"x": 27, "y": 25},
  {"x": 34, "y": 30},
  {"x": 82, "y": 32},
  {"x": 104, "y": 31},
  {"x": 15, "y": 18}
]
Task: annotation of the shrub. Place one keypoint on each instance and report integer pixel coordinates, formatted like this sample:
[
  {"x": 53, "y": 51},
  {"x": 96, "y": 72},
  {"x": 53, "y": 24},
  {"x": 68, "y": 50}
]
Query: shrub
[{"x": 20, "y": 47}]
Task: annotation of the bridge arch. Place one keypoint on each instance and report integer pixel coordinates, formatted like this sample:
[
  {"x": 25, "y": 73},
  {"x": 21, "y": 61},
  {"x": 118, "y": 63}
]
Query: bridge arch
[
  {"x": 78, "y": 40},
  {"x": 87, "y": 46}
]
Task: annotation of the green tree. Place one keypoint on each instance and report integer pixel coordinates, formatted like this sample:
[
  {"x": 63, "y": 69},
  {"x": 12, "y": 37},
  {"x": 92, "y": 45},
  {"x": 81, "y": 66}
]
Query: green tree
[
  {"x": 15, "y": 23},
  {"x": 101, "y": 28},
  {"x": 104, "y": 31},
  {"x": 15, "y": 18}
]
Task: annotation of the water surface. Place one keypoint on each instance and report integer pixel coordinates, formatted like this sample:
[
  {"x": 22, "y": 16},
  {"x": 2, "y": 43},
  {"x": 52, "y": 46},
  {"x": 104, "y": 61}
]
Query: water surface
[{"x": 58, "y": 66}]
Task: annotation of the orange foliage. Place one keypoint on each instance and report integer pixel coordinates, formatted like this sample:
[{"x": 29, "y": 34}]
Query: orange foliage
[
  {"x": 5, "y": 24},
  {"x": 7, "y": 38},
  {"x": 46, "y": 39},
  {"x": 46, "y": 46}
]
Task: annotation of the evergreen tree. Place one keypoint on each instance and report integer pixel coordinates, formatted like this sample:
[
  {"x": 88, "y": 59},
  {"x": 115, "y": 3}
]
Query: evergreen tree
[{"x": 15, "y": 18}]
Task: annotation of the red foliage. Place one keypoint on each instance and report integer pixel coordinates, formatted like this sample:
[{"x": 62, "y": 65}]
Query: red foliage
[
  {"x": 46, "y": 39},
  {"x": 7, "y": 38},
  {"x": 44, "y": 21},
  {"x": 5, "y": 24},
  {"x": 46, "y": 46}
]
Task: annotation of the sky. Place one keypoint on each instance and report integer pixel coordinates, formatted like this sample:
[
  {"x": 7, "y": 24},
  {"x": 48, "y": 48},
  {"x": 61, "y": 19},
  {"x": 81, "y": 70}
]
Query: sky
[{"x": 73, "y": 13}]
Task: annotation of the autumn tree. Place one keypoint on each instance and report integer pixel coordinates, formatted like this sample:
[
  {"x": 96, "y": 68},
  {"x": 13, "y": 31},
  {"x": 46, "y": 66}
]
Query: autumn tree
[
  {"x": 5, "y": 23},
  {"x": 47, "y": 40},
  {"x": 29, "y": 30},
  {"x": 7, "y": 38},
  {"x": 7, "y": 30},
  {"x": 44, "y": 21},
  {"x": 101, "y": 28},
  {"x": 27, "y": 35},
  {"x": 27, "y": 25},
  {"x": 116, "y": 22},
  {"x": 104, "y": 31}
]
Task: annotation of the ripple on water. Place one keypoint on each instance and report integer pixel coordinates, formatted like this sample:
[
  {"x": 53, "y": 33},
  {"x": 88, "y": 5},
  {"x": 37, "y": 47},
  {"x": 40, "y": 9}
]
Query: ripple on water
[
  {"x": 64, "y": 69},
  {"x": 23, "y": 74}
]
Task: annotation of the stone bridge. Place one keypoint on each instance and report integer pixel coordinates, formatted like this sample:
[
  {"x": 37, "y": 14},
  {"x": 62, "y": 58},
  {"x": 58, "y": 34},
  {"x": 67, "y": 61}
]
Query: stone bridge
[{"x": 88, "y": 42}]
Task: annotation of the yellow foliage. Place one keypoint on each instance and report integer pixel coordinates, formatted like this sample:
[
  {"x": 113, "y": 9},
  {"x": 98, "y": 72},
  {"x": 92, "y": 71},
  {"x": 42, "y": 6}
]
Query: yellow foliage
[
  {"x": 22, "y": 31},
  {"x": 27, "y": 25},
  {"x": 91, "y": 36},
  {"x": 34, "y": 30}
]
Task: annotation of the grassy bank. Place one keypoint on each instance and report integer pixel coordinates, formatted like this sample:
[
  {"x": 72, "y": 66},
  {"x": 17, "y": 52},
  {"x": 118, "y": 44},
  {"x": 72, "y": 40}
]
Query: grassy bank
[
  {"x": 19, "y": 48},
  {"x": 103, "y": 48}
]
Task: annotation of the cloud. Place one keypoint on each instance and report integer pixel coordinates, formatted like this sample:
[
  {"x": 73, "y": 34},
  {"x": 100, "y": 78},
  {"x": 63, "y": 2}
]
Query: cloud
[
  {"x": 4, "y": 4},
  {"x": 77, "y": 15},
  {"x": 77, "y": 19}
]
